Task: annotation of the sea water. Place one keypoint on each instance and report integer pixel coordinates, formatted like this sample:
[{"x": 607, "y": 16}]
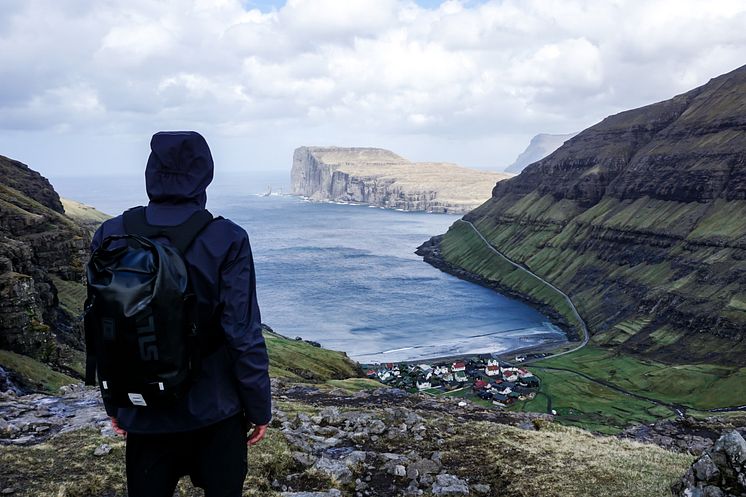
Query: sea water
[{"x": 346, "y": 275}]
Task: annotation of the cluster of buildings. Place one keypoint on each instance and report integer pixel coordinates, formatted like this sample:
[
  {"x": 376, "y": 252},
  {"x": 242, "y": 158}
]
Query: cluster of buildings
[{"x": 483, "y": 376}]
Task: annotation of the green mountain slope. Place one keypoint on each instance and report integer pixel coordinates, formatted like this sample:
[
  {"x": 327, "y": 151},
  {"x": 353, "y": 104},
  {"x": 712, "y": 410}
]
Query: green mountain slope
[{"x": 641, "y": 220}]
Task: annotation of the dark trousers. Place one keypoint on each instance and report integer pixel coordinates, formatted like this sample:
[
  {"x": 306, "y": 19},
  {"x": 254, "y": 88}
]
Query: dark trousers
[{"x": 214, "y": 457}]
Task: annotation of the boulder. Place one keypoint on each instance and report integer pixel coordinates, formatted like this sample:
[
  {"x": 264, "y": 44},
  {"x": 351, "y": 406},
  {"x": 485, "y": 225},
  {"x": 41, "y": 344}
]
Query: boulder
[
  {"x": 329, "y": 493},
  {"x": 719, "y": 472},
  {"x": 446, "y": 484},
  {"x": 337, "y": 470}
]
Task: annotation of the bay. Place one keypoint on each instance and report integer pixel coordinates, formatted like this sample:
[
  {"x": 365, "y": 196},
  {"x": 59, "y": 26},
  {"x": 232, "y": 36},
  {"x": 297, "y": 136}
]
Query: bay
[{"x": 346, "y": 276}]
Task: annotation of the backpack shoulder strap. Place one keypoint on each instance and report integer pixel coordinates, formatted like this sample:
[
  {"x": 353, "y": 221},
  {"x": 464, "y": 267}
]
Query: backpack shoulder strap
[
  {"x": 181, "y": 235},
  {"x": 185, "y": 233}
]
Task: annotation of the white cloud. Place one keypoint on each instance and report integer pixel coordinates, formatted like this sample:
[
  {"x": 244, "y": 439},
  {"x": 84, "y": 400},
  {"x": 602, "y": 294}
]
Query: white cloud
[{"x": 385, "y": 71}]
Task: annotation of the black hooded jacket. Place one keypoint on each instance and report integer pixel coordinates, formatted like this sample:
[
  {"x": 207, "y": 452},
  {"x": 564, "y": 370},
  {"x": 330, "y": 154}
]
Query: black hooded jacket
[{"x": 221, "y": 269}]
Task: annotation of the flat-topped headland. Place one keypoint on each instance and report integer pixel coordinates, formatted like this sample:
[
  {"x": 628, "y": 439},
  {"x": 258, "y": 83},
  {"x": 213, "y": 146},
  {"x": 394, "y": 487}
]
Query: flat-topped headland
[{"x": 382, "y": 178}]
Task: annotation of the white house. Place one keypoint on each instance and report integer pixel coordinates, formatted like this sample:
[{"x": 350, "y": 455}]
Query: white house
[
  {"x": 492, "y": 370},
  {"x": 523, "y": 373},
  {"x": 441, "y": 370},
  {"x": 458, "y": 366},
  {"x": 423, "y": 385}
]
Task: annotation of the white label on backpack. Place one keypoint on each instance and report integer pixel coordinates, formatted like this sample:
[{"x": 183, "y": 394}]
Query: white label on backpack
[{"x": 137, "y": 399}]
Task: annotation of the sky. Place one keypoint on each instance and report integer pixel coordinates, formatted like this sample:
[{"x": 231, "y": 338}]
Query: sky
[{"x": 85, "y": 83}]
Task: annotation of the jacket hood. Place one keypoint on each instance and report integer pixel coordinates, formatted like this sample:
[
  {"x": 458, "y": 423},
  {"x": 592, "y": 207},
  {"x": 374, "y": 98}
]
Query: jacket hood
[{"x": 179, "y": 168}]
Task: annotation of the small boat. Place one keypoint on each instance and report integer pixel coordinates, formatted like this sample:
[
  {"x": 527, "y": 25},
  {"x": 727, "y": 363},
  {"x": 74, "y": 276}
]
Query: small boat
[{"x": 269, "y": 192}]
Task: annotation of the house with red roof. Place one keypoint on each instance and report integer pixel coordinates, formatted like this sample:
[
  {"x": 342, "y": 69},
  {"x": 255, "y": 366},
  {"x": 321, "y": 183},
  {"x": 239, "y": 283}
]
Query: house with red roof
[
  {"x": 492, "y": 370},
  {"x": 479, "y": 385}
]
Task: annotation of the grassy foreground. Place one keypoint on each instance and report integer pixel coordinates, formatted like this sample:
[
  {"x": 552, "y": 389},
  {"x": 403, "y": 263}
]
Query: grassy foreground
[
  {"x": 553, "y": 461},
  {"x": 564, "y": 461}
]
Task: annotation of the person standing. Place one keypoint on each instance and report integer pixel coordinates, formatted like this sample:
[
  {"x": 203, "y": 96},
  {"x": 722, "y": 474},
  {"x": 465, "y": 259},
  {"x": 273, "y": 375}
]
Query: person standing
[{"x": 204, "y": 433}]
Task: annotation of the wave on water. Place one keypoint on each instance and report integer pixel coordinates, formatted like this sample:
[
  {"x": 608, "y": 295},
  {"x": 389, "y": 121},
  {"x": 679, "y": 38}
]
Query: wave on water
[{"x": 397, "y": 350}]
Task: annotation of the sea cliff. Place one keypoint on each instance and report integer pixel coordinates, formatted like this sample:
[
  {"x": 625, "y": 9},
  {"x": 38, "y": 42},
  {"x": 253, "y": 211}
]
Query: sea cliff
[{"x": 380, "y": 177}]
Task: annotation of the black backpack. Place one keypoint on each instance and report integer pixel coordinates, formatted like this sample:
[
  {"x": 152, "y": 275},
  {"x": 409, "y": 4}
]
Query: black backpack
[{"x": 142, "y": 333}]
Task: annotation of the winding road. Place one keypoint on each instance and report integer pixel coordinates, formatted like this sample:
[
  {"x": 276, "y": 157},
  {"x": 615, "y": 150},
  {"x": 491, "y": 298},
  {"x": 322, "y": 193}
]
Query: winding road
[
  {"x": 678, "y": 409},
  {"x": 583, "y": 326}
]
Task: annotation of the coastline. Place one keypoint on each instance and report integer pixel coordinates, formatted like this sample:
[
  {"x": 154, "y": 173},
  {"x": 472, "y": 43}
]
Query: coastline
[
  {"x": 507, "y": 356},
  {"x": 306, "y": 198},
  {"x": 430, "y": 252}
]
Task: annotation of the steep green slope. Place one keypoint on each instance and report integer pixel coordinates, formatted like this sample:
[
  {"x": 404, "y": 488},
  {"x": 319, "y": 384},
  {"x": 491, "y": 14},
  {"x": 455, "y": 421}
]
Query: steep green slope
[
  {"x": 641, "y": 220},
  {"x": 299, "y": 360}
]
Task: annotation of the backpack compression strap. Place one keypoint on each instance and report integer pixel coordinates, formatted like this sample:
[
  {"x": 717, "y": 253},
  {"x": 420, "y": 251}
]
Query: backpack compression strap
[{"x": 181, "y": 235}]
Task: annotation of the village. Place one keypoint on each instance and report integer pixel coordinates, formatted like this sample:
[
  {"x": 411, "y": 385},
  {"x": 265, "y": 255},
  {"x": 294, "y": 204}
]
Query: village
[{"x": 484, "y": 377}]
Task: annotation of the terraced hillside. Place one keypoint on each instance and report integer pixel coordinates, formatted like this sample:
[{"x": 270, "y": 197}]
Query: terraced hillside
[{"x": 641, "y": 220}]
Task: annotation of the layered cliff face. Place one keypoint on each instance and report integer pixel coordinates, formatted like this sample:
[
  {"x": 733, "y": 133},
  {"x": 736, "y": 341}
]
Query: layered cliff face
[
  {"x": 641, "y": 219},
  {"x": 380, "y": 177},
  {"x": 42, "y": 255}
]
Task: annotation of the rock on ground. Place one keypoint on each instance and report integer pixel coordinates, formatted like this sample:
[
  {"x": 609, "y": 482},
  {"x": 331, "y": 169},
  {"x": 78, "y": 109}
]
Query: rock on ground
[{"x": 719, "y": 472}]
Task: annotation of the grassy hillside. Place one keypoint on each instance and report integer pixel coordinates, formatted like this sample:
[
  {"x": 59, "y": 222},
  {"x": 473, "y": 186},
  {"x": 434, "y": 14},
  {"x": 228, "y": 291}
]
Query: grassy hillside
[
  {"x": 34, "y": 375},
  {"x": 641, "y": 220},
  {"x": 617, "y": 292},
  {"x": 299, "y": 360},
  {"x": 462, "y": 247}
]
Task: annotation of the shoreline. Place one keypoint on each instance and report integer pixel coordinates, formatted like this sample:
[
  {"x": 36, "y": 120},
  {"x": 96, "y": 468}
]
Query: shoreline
[
  {"x": 430, "y": 253},
  {"x": 306, "y": 198},
  {"x": 504, "y": 356}
]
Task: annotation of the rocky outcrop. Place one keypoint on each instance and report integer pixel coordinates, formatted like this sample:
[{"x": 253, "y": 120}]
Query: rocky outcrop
[
  {"x": 641, "y": 220},
  {"x": 39, "y": 246},
  {"x": 539, "y": 147},
  {"x": 327, "y": 442},
  {"x": 720, "y": 472},
  {"x": 380, "y": 177},
  {"x": 690, "y": 435}
]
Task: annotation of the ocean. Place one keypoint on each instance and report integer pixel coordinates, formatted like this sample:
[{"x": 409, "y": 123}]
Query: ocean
[{"x": 347, "y": 276}]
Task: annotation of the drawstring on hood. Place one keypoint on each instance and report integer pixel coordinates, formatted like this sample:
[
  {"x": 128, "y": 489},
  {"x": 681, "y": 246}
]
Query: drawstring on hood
[{"x": 179, "y": 168}]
